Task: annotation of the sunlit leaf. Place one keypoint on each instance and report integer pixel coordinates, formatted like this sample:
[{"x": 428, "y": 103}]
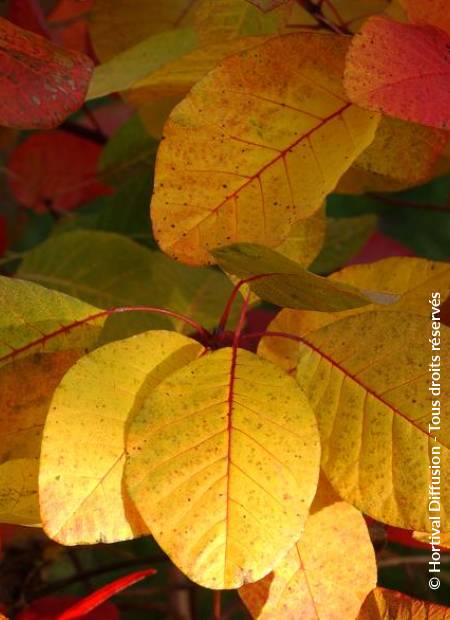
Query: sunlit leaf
[
  {"x": 32, "y": 364},
  {"x": 26, "y": 387},
  {"x": 401, "y": 70},
  {"x": 285, "y": 283},
  {"x": 176, "y": 78},
  {"x": 81, "y": 495},
  {"x": 30, "y": 313},
  {"x": 366, "y": 378},
  {"x": 55, "y": 171},
  {"x": 41, "y": 83},
  {"x": 412, "y": 279},
  {"x": 383, "y": 604},
  {"x": 318, "y": 578},
  {"x": 222, "y": 476},
  {"x": 263, "y": 171}
]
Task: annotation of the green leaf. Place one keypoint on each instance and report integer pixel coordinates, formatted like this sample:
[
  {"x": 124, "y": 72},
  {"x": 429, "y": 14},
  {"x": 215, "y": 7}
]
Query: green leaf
[
  {"x": 119, "y": 73},
  {"x": 109, "y": 270},
  {"x": 286, "y": 283},
  {"x": 344, "y": 238},
  {"x": 130, "y": 151},
  {"x": 31, "y": 312},
  {"x": 125, "y": 212}
]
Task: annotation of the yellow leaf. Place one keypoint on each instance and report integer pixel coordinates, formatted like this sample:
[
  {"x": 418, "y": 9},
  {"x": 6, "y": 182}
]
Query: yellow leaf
[
  {"x": 318, "y": 578},
  {"x": 176, "y": 78},
  {"x": 383, "y": 604},
  {"x": 223, "y": 466},
  {"x": 367, "y": 379},
  {"x": 305, "y": 239},
  {"x": 157, "y": 94},
  {"x": 26, "y": 387},
  {"x": 224, "y": 177},
  {"x": 413, "y": 279},
  {"x": 83, "y": 449},
  {"x": 32, "y": 313},
  {"x": 37, "y": 346},
  {"x": 390, "y": 163}
]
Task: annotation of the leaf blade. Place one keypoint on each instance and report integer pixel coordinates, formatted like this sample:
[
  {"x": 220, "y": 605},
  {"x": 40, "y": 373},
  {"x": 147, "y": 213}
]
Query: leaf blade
[
  {"x": 197, "y": 441},
  {"x": 206, "y": 197}
]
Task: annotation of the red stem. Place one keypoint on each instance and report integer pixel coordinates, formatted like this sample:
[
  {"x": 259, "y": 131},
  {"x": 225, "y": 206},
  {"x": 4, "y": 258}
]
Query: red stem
[
  {"x": 103, "y": 313},
  {"x": 217, "y": 604},
  {"x": 226, "y": 313}
]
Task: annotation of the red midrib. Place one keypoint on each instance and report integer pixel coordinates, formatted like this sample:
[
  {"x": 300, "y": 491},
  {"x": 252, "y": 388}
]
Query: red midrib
[
  {"x": 229, "y": 430},
  {"x": 360, "y": 383},
  {"x": 281, "y": 155}
]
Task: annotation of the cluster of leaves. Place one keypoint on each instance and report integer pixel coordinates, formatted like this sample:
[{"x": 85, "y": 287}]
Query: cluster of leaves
[{"x": 139, "y": 396}]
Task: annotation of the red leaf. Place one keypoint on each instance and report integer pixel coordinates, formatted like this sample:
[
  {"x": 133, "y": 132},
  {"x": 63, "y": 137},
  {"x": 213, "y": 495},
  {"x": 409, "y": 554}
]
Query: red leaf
[
  {"x": 55, "y": 170},
  {"x": 67, "y": 10},
  {"x": 380, "y": 246},
  {"x": 28, "y": 14},
  {"x": 68, "y": 23},
  {"x": 103, "y": 594},
  {"x": 50, "y": 608},
  {"x": 41, "y": 84},
  {"x": 402, "y": 70}
]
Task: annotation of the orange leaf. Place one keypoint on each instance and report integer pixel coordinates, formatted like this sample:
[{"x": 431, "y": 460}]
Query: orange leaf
[
  {"x": 401, "y": 70},
  {"x": 433, "y": 12},
  {"x": 55, "y": 170},
  {"x": 383, "y": 604},
  {"x": 98, "y": 597},
  {"x": 41, "y": 84}
]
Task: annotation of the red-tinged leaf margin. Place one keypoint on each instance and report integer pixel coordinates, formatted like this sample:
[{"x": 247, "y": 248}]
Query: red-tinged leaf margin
[
  {"x": 402, "y": 70},
  {"x": 41, "y": 83},
  {"x": 90, "y": 602}
]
